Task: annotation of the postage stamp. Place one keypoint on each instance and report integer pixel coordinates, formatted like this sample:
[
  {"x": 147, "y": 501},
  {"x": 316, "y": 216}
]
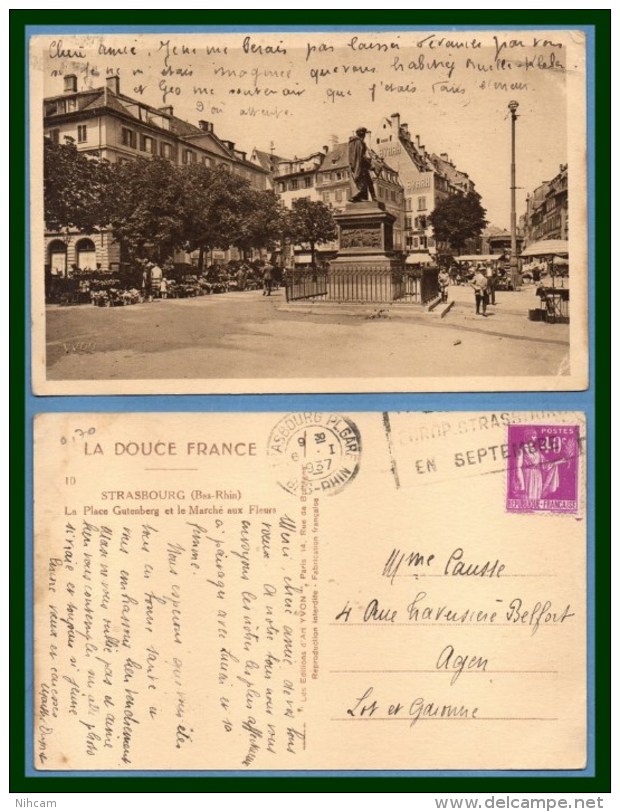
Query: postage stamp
[
  {"x": 543, "y": 469},
  {"x": 315, "y": 452}
]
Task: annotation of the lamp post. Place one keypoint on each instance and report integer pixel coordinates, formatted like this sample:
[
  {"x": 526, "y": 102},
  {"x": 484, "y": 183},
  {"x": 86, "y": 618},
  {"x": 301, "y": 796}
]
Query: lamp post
[{"x": 514, "y": 262}]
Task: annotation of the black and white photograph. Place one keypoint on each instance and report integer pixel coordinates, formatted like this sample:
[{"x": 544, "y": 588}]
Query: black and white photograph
[{"x": 308, "y": 211}]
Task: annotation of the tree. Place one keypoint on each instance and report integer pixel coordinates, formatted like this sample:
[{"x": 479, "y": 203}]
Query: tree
[
  {"x": 213, "y": 206},
  {"x": 458, "y": 218},
  {"x": 263, "y": 223},
  {"x": 75, "y": 188},
  {"x": 145, "y": 215},
  {"x": 311, "y": 222}
]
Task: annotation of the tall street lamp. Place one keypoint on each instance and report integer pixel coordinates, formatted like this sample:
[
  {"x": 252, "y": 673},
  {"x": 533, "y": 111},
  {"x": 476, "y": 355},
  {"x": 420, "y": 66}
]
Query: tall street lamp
[{"x": 514, "y": 262}]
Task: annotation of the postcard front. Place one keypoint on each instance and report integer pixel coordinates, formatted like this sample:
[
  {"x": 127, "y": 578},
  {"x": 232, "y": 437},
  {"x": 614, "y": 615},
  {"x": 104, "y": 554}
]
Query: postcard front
[
  {"x": 309, "y": 591},
  {"x": 286, "y": 211}
]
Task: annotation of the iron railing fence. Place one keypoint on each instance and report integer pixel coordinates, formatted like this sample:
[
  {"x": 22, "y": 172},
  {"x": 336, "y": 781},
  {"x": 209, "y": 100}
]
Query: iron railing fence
[{"x": 368, "y": 285}]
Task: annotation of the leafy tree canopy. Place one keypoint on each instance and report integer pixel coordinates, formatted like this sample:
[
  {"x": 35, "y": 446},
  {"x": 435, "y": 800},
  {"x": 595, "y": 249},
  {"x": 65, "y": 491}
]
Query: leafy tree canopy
[
  {"x": 75, "y": 188},
  {"x": 311, "y": 222},
  {"x": 458, "y": 218}
]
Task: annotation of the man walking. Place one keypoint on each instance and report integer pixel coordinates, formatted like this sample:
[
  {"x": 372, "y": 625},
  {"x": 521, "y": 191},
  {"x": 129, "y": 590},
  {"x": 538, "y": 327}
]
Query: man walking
[
  {"x": 444, "y": 280},
  {"x": 479, "y": 284},
  {"x": 267, "y": 279},
  {"x": 490, "y": 274}
]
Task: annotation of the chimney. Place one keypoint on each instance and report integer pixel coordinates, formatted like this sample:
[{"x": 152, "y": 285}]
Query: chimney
[
  {"x": 70, "y": 83},
  {"x": 405, "y": 129},
  {"x": 444, "y": 156},
  {"x": 325, "y": 148},
  {"x": 396, "y": 122},
  {"x": 417, "y": 141},
  {"x": 113, "y": 83},
  {"x": 229, "y": 144},
  {"x": 205, "y": 126}
]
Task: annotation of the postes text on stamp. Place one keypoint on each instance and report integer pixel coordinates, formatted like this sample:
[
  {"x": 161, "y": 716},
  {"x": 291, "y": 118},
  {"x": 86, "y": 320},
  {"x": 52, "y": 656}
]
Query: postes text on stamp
[{"x": 543, "y": 469}]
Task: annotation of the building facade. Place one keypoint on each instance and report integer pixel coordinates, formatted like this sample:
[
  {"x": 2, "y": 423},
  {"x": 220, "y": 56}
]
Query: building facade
[
  {"x": 498, "y": 241},
  {"x": 104, "y": 123},
  {"x": 297, "y": 177},
  {"x": 546, "y": 210},
  {"x": 269, "y": 162},
  {"x": 426, "y": 178}
]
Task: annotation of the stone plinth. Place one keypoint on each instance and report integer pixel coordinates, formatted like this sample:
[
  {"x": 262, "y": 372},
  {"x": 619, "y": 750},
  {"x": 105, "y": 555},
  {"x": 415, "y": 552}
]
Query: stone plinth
[{"x": 366, "y": 268}]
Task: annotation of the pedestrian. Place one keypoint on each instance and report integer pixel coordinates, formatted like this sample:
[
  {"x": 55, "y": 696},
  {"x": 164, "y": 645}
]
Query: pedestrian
[
  {"x": 156, "y": 277},
  {"x": 490, "y": 274},
  {"x": 241, "y": 278},
  {"x": 267, "y": 279},
  {"x": 146, "y": 283},
  {"x": 163, "y": 288},
  {"x": 479, "y": 284},
  {"x": 444, "y": 281}
]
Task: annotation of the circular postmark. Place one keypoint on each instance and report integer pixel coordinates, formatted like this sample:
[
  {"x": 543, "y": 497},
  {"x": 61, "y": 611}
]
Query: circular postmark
[{"x": 314, "y": 452}]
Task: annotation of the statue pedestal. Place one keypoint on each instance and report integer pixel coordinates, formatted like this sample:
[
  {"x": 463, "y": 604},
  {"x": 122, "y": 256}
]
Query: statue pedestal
[{"x": 366, "y": 268}]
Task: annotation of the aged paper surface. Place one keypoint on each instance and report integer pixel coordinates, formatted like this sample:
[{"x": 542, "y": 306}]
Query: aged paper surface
[
  {"x": 310, "y": 591},
  {"x": 436, "y": 108}
]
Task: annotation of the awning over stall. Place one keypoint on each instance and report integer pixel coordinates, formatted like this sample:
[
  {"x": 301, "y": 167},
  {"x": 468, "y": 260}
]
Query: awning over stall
[
  {"x": 543, "y": 248},
  {"x": 419, "y": 258},
  {"x": 478, "y": 258}
]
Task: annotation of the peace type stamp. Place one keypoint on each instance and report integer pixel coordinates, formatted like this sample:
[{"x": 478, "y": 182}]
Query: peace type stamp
[
  {"x": 543, "y": 469},
  {"x": 315, "y": 452}
]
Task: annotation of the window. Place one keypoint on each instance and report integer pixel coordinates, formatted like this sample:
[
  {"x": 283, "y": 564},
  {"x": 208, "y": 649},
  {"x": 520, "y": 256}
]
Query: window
[
  {"x": 380, "y": 193},
  {"x": 147, "y": 144},
  {"x": 407, "y": 222},
  {"x": 308, "y": 182},
  {"x": 392, "y": 196},
  {"x": 421, "y": 204},
  {"x": 281, "y": 186},
  {"x": 416, "y": 242},
  {"x": 189, "y": 157},
  {"x": 206, "y": 160},
  {"x": 54, "y": 136},
  {"x": 338, "y": 196},
  {"x": 58, "y": 258},
  {"x": 294, "y": 185},
  {"x": 128, "y": 137},
  {"x": 66, "y": 105},
  {"x": 86, "y": 255},
  {"x": 165, "y": 150},
  {"x": 81, "y": 133},
  {"x": 325, "y": 197}
]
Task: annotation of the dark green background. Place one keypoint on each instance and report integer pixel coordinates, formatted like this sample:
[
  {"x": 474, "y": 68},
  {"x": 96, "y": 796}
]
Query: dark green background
[{"x": 19, "y": 783}]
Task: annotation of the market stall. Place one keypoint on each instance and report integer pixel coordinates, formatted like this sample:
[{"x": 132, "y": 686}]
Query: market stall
[{"x": 554, "y": 293}]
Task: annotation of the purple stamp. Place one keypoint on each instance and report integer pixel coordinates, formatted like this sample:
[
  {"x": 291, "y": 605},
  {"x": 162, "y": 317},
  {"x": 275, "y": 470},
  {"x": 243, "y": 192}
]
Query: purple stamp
[{"x": 543, "y": 469}]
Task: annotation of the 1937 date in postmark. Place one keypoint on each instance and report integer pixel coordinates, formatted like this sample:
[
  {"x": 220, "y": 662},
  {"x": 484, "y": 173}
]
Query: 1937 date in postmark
[
  {"x": 315, "y": 452},
  {"x": 543, "y": 469}
]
